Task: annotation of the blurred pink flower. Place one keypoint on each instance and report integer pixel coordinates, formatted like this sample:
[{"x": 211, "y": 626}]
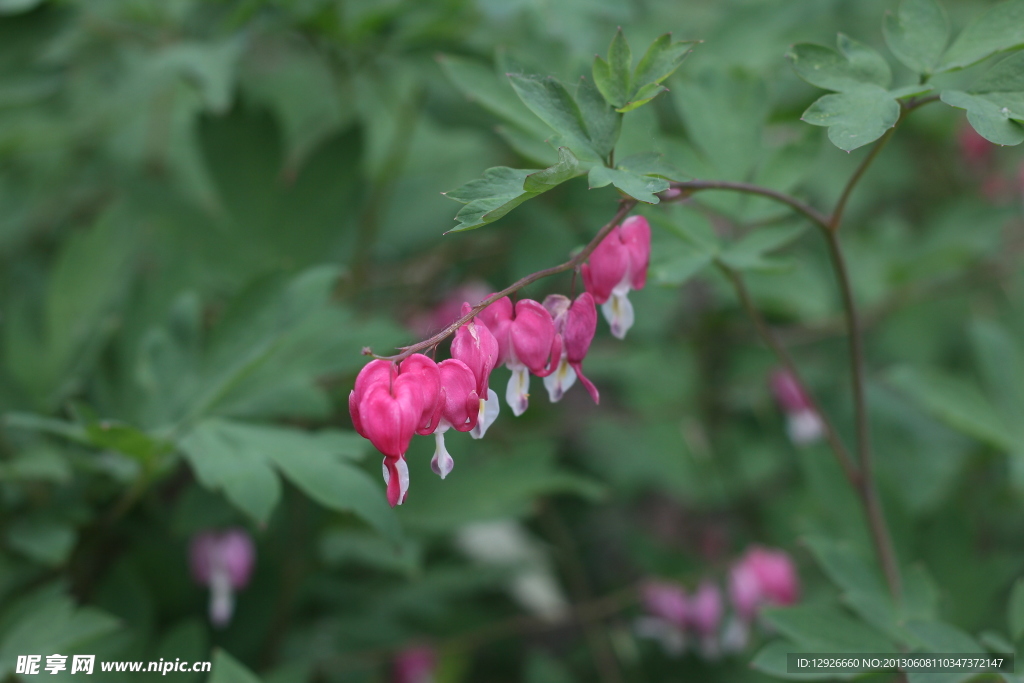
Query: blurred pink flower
[
  {"x": 426, "y": 323},
  {"x": 762, "y": 576},
  {"x": 803, "y": 423},
  {"x": 667, "y": 601},
  {"x": 223, "y": 562},
  {"x": 975, "y": 150},
  {"x": 414, "y": 665}
]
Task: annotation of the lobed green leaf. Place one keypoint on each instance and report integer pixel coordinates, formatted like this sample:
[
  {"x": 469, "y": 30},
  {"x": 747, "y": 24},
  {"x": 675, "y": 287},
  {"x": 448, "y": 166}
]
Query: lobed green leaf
[
  {"x": 854, "y": 66},
  {"x": 999, "y": 29},
  {"x": 640, "y": 187},
  {"x": 855, "y": 116},
  {"x": 917, "y": 33}
]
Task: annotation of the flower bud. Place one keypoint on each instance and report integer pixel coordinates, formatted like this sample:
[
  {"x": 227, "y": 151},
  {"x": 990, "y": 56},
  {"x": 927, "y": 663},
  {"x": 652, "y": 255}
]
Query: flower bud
[{"x": 803, "y": 423}]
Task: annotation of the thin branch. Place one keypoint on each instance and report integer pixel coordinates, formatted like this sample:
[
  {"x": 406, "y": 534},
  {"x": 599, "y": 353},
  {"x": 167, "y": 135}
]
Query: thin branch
[
  {"x": 625, "y": 206},
  {"x": 837, "y": 214},
  {"x": 772, "y": 342},
  {"x": 691, "y": 186},
  {"x": 866, "y": 489},
  {"x": 905, "y": 108}
]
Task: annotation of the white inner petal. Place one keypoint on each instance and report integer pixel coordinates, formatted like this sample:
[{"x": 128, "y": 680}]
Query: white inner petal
[
  {"x": 442, "y": 462},
  {"x": 618, "y": 311},
  {"x": 804, "y": 427},
  {"x": 559, "y": 381},
  {"x": 403, "y": 479},
  {"x": 489, "y": 410},
  {"x": 518, "y": 393},
  {"x": 222, "y": 597}
]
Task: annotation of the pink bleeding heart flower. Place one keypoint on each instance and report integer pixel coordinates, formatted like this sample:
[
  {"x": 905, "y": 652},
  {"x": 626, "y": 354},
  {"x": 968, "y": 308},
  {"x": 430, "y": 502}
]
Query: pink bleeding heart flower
[
  {"x": 460, "y": 409},
  {"x": 667, "y": 601},
  {"x": 414, "y": 665},
  {"x": 527, "y": 343},
  {"x": 476, "y": 346},
  {"x": 803, "y": 422},
  {"x": 705, "y": 616},
  {"x": 223, "y": 562},
  {"x": 616, "y": 266},
  {"x": 762, "y": 576},
  {"x": 667, "y": 608},
  {"x": 389, "y": 405},
  {"x": 575, "y": 323}
]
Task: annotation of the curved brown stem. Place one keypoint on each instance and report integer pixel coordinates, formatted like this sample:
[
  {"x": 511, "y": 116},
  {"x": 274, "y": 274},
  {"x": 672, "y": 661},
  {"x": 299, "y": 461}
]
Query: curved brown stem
[
  {"x": 625, "y": 206},
  {"x": 691, "y": 186},
  {"x": 770, "y": 339}
]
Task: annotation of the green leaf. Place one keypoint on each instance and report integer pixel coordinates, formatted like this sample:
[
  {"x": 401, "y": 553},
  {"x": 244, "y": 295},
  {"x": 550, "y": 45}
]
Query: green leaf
[
  {"x": 937, "y": 636},
  {"x": 568, "y": 167},
  {"x": 187, "y": 639},
  {"x": 863, "y": 589},
  {"x": 480, "y": 84},
  {"x": 750, "y": 252},
  {"x": 678, "y": 268},
  {"x": 620, "y": 59},
  {"x": 603, "y": 124},
  {"x": 773, "y": 660},
  {"x": 613, "y": 77},
  {"x": 126, "y": 439},
  {"x": 18, "y": 6},
  {"x": 263, "y": 359},
  {"x": 1000, "y": 358},
  {"x": 696, "y": 249},
  {"x": 995, "y": 104},
  {"x": 642, "y": 97},
  {"x": 282, "y": 78},
  {"x": 855, "y": 116},
  {"x": 854, "y": 66},
  {"x": 542, "y": 667},
  {"x": 1015, "y": 610},
  {"x": 50, "y": 623},
  {"x": 652, "y": 164},
  {"x": 222, "y": 464},
  {"x": 355, "y": 546},
  {"x": 999, "y": 29},
  {"x": 917, "y": 34},
  {"x": 227, "y": 669},
  {"x": 489, "y": 488},
  {"x": 46, "y": 541},
  {"x": 956, "y": 402},
  {"x": 661, "y": 60},
  {"x": 554, "y": 105},
  {"x": 315, "y": 463},
  {"x": 641, "y": 188},
  {"x": 994, "y": 123},
  {"x": 502, "y": 189},
  {"x": 724, "y": 117},
  {"x": 920, "y": 595},
  {"x": 826, "y": 628}
]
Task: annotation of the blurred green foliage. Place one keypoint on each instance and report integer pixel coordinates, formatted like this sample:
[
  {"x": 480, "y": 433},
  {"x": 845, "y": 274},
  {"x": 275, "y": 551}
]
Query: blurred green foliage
[{"x": 208, "y": 208}]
